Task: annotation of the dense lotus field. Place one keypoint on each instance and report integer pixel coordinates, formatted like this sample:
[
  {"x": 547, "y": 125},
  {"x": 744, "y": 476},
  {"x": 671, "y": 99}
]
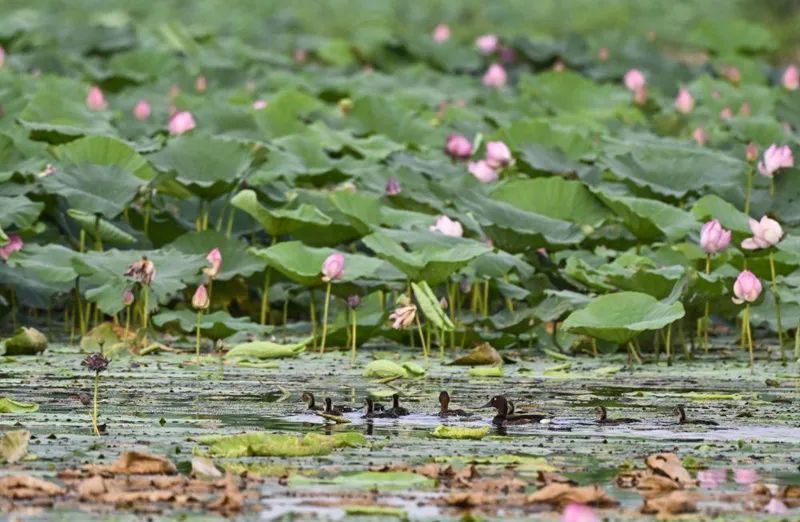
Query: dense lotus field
[{"x": 249, "y": 202}]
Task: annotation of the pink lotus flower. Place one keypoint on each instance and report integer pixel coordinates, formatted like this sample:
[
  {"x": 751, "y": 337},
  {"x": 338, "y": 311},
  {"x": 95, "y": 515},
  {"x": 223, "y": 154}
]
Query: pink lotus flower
[
  {"x": 200, "y": 84},
  {"x": 775, "y": 507},
  {"x": 726, "y": 113},
  {"x": 447, "y": 226},
  {"x": 579, "y": 513},
  {"x": 181, "y": 122},
  {"x": 300, "y": 55},
  {"x": 766, "y": 233},
  {"x": 333, "y": 267},
  {"x": 747, "y": 288},
  {"x": 732, "y": 74},
  {"x": 714, "y": 238},
  {"x": 14, "y": 244},
  {"x": 482, "y": 171},
  {"x": 441, "y": 33},
  {"x": 200, "y": 299},
  {"x": 751, "y": 152},
  {"x": 487, "y": 44},
  {"x": 2, "y": 56},
  {"x": 791, "y": 78},
  {"x": 634, "y": 80},
  {"x": 95, "y": 99},
  {"x": 746, "y": 476},
  {"x": 495, "y": 76},
  {"x": 744, "y": 109},
  {"x": 684, "y": 102},
  {"x": 403, "y": 316},
  {"x": 458, "y": 146},
  {"x": 699, "y": 135},
  {"x": 712, "y": 478},
  {"x": 775, "y": 158},
  {"x": 259, "y": 104},
  {"x": 215, "y": 258},
  {"x": 142, "y": 110},
  {"x": 559, "y": 66},
  {"x": 498, "y": 154},
  {"x": 127, "y": 297},
  {"x": 393, "y": 187}
]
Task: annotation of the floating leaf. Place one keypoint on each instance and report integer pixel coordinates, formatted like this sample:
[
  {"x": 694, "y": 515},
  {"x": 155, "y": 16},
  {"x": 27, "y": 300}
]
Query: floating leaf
[
  {"x": 261, "y": 444},
  {"x": 14, "y": 445},
  {"x": 383, "y": 368},
  {"x": 11, "y": 406},
  {"x": 27, "y": 341},
  {"x": 267, "y": 350},
  {"x": 457, "y": 432}
]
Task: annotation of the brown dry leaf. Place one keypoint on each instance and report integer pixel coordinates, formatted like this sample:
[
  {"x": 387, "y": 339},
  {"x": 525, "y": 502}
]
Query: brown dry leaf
[
  {"x": 467, "y": 474},
  {"x": 470, "y": 499},
  {"x": 136, "y": 463},
  {"x": 92, "y": 487},
  {"x": 631, "y": 479},
  {"x": 499, "y": 485},
  {"x": 435, "y": 471},
  {"x": 25, "y": 486},
  {"x": 562, "y": 494},
  {"x": 204, "y": 467},
  {"x": 232, "y": 498},
  {"x": 675, "y": 503},
  {"x": 791, "y": 492},
  {"x": 670, "y": 466},
  {"x": 651, "y": 485},
  {"x": 550, "y": 477},
  {"x": 127, "y": 498},
  {"x": 14, "y": 445}
]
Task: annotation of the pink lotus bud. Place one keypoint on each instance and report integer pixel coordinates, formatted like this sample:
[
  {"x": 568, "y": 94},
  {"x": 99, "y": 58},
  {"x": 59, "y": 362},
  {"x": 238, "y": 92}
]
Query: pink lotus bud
[
  {"x": 699, "y": 135},
  {"x": 603, "y": 54},
  {"x": 95, "y": 99},
  {"x": 745, "y": 476},
  {"x": 403, "y": 316},
  {"x": 353, "y": 301},
  {"x": 2, "y": 56},
  {"x": 498, "y": 154},
  {"x": 181, "y": 122},
  {"x": 751, "y": 153},
  {"x": 215, "y": 258},
  {"x": 487, "y": 44},
  {"x": 447, "y": 226},
  {"x": 200, "y": 84},
  {"x": 732, "y": 74},
  {"x": 559, "y": 66},
  {"x": 775, "y": 158},
  {"x": 712, "y": 478},
  {"x": 174, "y": 91},
  {"x": 495, "y": 76},
  {"x": 127, "y": 297},
  {"x": 300, "y": 55},
  {"x": 142, "y": 110},
  {"x": 333, "y": 267},
  {"x": 791, "y": 78},
  {"x": 684, "y": 102},
  {"x": 775, "y": 507},
  {"x": 142, "y": 270},
  {"x": 441, "y": 33},
  {"x": 482, "y": 171},
  {"x": 14, "y": 244},
  {"x": 747, "y": 288},
  {"x": 579, "y": 513},
  {"x": 744, "y": 109},
  {"x": 259, "y": 104},
  {"x": 766, "y": 233},
  {"x": 726, "y": 113},
  {"x": 714, "y": 238},
  {"x": 393, "y": 187},
  {"x": 458, "y": 146},
  {"x": 634, "y": 80},
  {"x": 200, "y": 298}
]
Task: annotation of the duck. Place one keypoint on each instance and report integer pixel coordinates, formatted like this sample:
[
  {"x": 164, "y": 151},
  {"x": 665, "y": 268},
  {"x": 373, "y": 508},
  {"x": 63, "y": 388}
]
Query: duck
[
  {"x": 680, "y": 411},
  {"x": 500, "y": 403},
  {"x": 308, "y": 398},
  {"x": 445, "y": 411},
  {"x": 396, "y": 410},
  {"x": 336, "y": 409},
  {"x": 602, "y": 418},
  {"x": 373, "y": 412}
]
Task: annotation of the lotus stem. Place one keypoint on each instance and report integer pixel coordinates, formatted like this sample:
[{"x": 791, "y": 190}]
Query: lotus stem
[
  {"x": 286, "y": 309},
  {"x": 797, "y": 342},
  {"x": 707, "y": 309},
  {"x": 594, "y": 346},
  {"x": 668, "y": 344},
  {"x": 633, "y": 353},
  {"x": 747, "y": 190},
  {"x": 353, "y": 335},
  {"x": 146, "y": 217},
  {"x": 82, "y": 244},
  {"x": 210, "y": 287},
  {"x": 94, "y": 406},
  {"x": 229, "y": 229},
  {"x": 509, "y": 301},
  {"x": 13, "y": 299},
  {"x": 325, "y": 317},
  {"x": 265, "y": 297},
  {"x": 772, "y": 187},
  {"x": 421, "y": 337},
  {"x": 748, "y": 334},
  {"x": 486, "y": 298},
  {"x": 145, "y": 312},
  {"x": 777, "y": 298},
  {"x": 197, "y": 338},
  {"x": 127, "y": 322}
]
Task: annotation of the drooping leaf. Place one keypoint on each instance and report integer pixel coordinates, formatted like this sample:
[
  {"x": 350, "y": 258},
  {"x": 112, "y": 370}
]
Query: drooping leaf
[
  {"x": 280, "y": 221},
  {"x": 430, "y": 306},
  {"x": 11, "y": 406}
]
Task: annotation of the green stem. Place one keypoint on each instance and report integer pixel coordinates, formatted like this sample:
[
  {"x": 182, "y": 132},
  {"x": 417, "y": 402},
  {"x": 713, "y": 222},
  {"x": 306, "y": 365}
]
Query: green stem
[
  {"x": 313, "y": 313},
  {"x": 353, "y": 336},
  {"x": 145, "y": 312},
  {"x": 668, "y": 344},
  {"x": 94, "y": 408},
  {"x": 747, "y": 190},
  {"x": 127, "y": 322},
  {"x": 486, "y": 298},
  {"x": 146, "y": 217},
  {"x": 777, "y": 297},
  {"x": 633, "y": 353},
  {"x": 265, "y": 296},
  {"x": 748, "y": 334},
  {"x": 797, "y": 342},
  {"x": 421, "y": 337},
  {"x": 325, "y": 317},
  {"x": 707, "y": 309},
  {"x": 197, "y": 339}
]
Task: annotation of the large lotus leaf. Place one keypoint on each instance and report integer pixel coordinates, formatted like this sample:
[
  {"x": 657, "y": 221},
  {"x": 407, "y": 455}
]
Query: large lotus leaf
[
  {"x": 657, "y": 282},
  {"x": 364, "y": 210},
  {"x": 214, "y": 325},
  {"x": 140, "y": 65},
  {"x": 498, "y": 264},
  {"x": 546, "y": 159},
  {"x": 340, "y": 230},
  {"x": 573, "y": 140},
  {"x": 105, "y": 150},
  {"x": 236, "y": 259},
  {"x": 38, "y": 272},
  {"x": 279, "y": 221},
  {"x": 555, "y": 197},
  {"x": 786, "y": 204},
  {"x": 94, "y": 189},
  {"x": 283, "y": 114},
  {"x": 291, "y": 156},
  {"x": 205, "y": 164},
  {"x": 18, "y": 156},
  {"x": 100, "y": 228},
  {"x": 713, "y": 207},
  {"x": 375, "y": 147},
  {"x": 431, "y": 263},
  {"x": 731, "y": 35},
  {"x": 379, "y": 115},
  {"x": 103, "y": 283},
  {"x": 303, "y": 264},
  {"x": 19, "y": 211},
  {"x": 622, "y": 316},
  {"x": 568, "y": 91},
  {"x": 649, "y": 219}
]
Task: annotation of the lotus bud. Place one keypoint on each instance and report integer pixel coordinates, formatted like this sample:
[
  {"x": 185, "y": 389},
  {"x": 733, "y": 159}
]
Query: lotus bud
[
  {"x": 732, "y": 74},
  {"x": 143, "y": 271},
  {"x": 259, "y": 104},
  {"x": 726, "y": 113},
  {"x": 215, "y": 259},
  {"x": 495, "y": 76},
  {"x": 487, "y": 44},
  {"x": 634, "y": 80},
  {"x": 200, "y": 84},
  {"x": 95, "y": 362},
  {"x": 751, "y": 153},
  {"x": 766, "y": 233},
  {"x": 603, "y": 54},
  {"x": 458, "y": 146},
  {"x": 142, "y": 110},
  {"x": 14, "y": 244},
  {"x": 498, "y": 154},
  {"x": 200, "y": 299},
  {"x": 127, "y": 297},
  {"x": 684, "y": 102},
  {"x": 791, "y": 78},
  {"x": 354, "y": 301},
  {"x": 508, "y": 55},
  {"x": 775, "y": 158},
  {"x": 579, "y": 513},
  {"x": 403, "y": 316},
  {"x": 482, "y": 171},
  {"x": 95, "y": 100},
  {"x": 300, "y": 56},
  {"x": 448, "y": 227},
  {"x": 181, "y": 122},
  {"x": 747, "y": 288},
  {"x": 441, "y": 33},
  {"x": 333, "y": 267},
  {"x": 393, "y": 187},
  {"x": 714, "y": 238},
  {"x": 699, "y": 135},
  {"x": 744, "y": 109}
]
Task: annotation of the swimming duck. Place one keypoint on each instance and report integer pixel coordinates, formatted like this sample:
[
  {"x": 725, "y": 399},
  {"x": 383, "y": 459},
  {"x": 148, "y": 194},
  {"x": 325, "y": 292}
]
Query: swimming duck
[
  {"x": 337, "y": 409},
  {"x": 602, "y": 418},
  {"x": 396, "y": 410},
  {"x": 308, "y": 398},
  {"x": 500, "y": 403},
  {"x": 373, "y": 412},
  {"x": 445, "y": 411},
  {"x": 681, "y": 413}
]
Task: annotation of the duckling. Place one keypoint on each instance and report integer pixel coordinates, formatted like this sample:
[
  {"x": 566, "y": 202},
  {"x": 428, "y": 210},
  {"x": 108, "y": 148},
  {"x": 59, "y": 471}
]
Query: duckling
[
  {"x": 445, "y": 411},
  {"x": 602, "y": 418},
  {"x": 396, "y": 410},
  {"x": 681, "y": 413},
  {"x": 337, "y": 409},
  {"x": 500, "y": 403},
  {"x": 373, "y": 412},
  {"x": 308, "y": 398}
]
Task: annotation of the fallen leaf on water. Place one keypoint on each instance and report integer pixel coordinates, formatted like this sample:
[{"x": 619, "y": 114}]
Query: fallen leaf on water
[
  {"x": 232, "y": 498},
  {"x": 11, "y": 406},
  {"x": 550, "y": 477},
  {"x": 204, "y": 467},
  {"x": 562, "y": 494},
  {"x": 675, "y": 503},
  {"x": 14, "y": 445},
  {"x": 483, "y": 354},
  {"x": 135, "y": 463},
  {"x": 25, "y": 487},
  {"x": 670, "y": 466},
  {"x": 92, "y": 487}
]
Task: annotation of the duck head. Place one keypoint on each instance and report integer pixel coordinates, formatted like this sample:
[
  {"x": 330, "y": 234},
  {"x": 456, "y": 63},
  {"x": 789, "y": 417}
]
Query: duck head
[
  {"x": 308, "y": 398},
  {"x": 444, "y": 400},
  {"x": 680, "y": 412},
  {"x": 601, "y": 412},
  {"x": 328, "y": 405},
  {"x": 395, "y": 400},
  {"x": 499, "y": 403}
]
